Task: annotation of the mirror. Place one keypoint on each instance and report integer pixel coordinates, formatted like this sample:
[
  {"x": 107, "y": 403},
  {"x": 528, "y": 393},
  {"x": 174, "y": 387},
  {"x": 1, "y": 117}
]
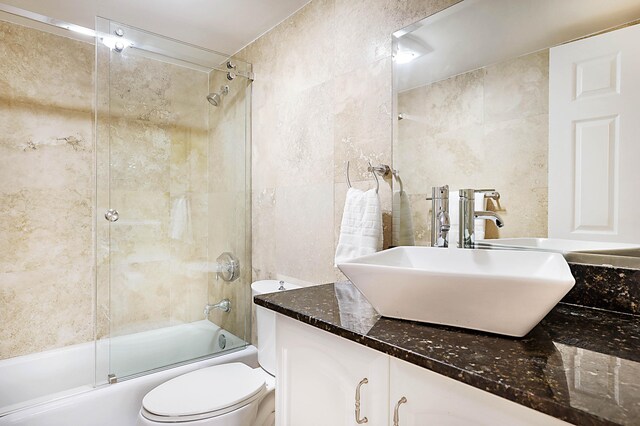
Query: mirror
[{"x": 535, "y": 98}]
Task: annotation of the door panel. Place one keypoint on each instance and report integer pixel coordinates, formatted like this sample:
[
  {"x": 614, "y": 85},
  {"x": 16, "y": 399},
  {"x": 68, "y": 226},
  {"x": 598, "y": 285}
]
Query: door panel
[{"x": 594, "y": 123}]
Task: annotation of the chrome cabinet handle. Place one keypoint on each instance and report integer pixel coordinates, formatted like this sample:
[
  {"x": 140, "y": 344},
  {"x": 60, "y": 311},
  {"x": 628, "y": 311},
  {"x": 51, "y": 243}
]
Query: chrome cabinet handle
[
  {"x": 358, "y": 420},
  {"x": 396, "y": 417},
  {"x": 112, "y": 215}
]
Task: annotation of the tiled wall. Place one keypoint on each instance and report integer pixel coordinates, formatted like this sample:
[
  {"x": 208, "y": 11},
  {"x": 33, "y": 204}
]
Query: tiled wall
[
  {"x": 157, "y": 152},
  {"x": 158, "y": 158},
  {"x": 46, "y": 191},
  {"x": 487, "y": 128},
  {"x": 322, "y": 97}
]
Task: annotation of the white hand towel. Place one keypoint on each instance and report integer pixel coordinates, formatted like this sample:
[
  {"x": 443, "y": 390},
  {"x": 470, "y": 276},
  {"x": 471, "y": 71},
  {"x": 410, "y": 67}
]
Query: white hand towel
[
  {"x": 396, "y": 205},
  {"x": 402, "y": 225},
  {"x": 361, "y": 227}
]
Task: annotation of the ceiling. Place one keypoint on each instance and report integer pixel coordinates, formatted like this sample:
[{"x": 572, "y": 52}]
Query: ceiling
[
  {"x": 476, "y": 33},
  {"x": 221, "y": 25}
]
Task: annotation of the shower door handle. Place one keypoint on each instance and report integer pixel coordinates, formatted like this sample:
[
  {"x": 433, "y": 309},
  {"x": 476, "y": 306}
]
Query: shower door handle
[{"x": 112, "y": 215}]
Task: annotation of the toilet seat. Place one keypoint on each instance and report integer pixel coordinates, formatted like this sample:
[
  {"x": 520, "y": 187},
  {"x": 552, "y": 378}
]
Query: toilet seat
[{"x": 204, "y": 393}]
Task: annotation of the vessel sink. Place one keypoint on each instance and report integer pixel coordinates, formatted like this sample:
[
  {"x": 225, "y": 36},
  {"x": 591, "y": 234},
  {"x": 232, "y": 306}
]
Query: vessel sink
[{"x": 498, "y": 291}]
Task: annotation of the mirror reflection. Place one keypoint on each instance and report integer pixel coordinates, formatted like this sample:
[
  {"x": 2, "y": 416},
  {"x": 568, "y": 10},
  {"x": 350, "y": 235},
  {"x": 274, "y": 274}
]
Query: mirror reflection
[{"x": 533, "y": 104}]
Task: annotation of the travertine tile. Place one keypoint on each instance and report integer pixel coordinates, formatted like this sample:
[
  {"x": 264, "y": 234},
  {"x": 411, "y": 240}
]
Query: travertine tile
[
  {"x": 364, "y": 28},
  {"x": 263, "y": 233},
  {"x": 413, "y": 107},
  {"x": 518, "y": 152},
  {"x": 421, "y": 216},
  {"x": 35, "y": 237},
  {"x": 306, "y": 130},
  {"x": 362, "y": 120},
  {"x": 517, "y": 88},
  {"x": 55, "y": 153},
  {"x": 304, "y": 232},
  {"x": 455, "y": 102},
  {"x": 45, "y": 308},
  {"x": 33, "y": 59},
  {"x": 266, "y": 143},
  {"x": 294, "y": 56},
  {"x": 453, "y": 158},
  {"x": 140, "y": 294}
]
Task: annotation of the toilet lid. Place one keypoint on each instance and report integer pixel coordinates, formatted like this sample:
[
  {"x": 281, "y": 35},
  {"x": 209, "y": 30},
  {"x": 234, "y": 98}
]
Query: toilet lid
[{"x": 204, "y": 391}]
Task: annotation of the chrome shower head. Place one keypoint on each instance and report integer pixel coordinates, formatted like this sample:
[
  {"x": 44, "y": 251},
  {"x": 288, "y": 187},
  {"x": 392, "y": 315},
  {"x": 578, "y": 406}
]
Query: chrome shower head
[{"x": 215, "y": 98}]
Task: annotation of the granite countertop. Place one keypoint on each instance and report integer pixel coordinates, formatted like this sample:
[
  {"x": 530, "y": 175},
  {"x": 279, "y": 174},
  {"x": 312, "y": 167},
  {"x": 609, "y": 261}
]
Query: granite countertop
[{"x": 579, "y": 364}]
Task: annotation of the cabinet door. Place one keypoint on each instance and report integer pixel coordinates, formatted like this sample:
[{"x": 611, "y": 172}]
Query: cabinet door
[
  {"x": 433, "y": 399},
  {"x": 318, "y": 375}
]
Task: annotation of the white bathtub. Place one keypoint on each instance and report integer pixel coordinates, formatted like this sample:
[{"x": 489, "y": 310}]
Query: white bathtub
[{"x": 57, "y": 386}]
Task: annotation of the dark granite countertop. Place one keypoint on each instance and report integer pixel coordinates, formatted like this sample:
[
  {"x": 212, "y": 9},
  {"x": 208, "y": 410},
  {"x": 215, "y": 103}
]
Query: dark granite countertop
[{"x": 580, "y": 365}]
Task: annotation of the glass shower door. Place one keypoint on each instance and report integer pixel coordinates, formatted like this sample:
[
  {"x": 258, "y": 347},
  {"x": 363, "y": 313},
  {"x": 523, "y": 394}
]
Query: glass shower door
[{"x": 172, "y": 159}]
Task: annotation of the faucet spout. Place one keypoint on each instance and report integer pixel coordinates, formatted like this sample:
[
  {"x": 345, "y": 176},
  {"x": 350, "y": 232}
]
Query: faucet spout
[
  {"x": 468, "y": 214},
  {"x": 489, "y": 215},
  {"x": 224, "y": 305}
]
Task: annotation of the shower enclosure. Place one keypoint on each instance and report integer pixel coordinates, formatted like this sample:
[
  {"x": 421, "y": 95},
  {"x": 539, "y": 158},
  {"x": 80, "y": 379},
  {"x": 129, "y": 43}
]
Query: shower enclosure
[{"x": 126, "y": 193}]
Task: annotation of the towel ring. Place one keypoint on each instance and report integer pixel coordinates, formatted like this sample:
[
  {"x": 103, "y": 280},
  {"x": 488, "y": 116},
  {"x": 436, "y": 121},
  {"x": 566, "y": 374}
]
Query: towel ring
[
  {"x": 370, "y": 169},
  {"x": 396, "y": 174},
  {"x": 373, "y": 172}
]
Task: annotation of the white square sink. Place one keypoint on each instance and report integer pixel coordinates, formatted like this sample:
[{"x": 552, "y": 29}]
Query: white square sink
[{"x": 499, "y": 291}]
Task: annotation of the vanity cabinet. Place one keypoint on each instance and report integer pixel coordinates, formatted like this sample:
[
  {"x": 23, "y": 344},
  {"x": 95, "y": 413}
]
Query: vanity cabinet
[
  {"x": 433, "y": 399},
  {"x": 320, "y": 377}
]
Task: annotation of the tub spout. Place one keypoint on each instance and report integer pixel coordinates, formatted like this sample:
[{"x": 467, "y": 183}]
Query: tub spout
[{"x": 224, "y": 305}]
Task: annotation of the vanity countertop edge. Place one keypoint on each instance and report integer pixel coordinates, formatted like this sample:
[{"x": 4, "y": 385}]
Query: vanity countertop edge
[{"x": 529, "y": 371}]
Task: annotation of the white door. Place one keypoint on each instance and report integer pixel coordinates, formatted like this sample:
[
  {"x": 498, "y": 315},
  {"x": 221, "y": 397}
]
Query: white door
[
  {"x": 433, "y": 399},
  {"x": 318, "y": 375},
  {"x": 594, "y": 138}
]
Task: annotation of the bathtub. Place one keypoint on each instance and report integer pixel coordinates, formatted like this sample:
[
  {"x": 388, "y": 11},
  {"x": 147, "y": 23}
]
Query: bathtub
[{"x": 57, "y": 387}]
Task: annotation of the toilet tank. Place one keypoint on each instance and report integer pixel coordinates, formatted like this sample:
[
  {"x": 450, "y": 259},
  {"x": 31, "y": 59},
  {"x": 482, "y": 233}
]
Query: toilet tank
[{"x": 266, "y": 323}]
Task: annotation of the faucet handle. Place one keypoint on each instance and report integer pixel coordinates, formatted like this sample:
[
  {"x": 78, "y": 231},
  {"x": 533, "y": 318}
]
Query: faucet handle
[{"x": 439, "y": 192}]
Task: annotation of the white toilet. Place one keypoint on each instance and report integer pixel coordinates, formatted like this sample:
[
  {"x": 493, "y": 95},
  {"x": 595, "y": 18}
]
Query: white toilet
[{"x": 227, "y": 394}]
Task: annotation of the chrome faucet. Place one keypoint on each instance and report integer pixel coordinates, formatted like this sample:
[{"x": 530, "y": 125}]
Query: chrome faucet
[
  {"x": 440, "y": 223},
  {"x": 224, "y": 305},
  {"x": 468, "y": 214}
]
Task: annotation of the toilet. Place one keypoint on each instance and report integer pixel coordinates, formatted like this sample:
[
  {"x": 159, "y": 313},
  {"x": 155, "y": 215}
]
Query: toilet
[{"x": 223, "y": 395}]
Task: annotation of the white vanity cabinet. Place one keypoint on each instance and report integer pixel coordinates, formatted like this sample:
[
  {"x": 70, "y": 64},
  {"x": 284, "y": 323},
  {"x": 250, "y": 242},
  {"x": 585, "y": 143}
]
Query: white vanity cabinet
[
  {"x": 319, "y": 375},
  {"x": 433, "y": 399}
]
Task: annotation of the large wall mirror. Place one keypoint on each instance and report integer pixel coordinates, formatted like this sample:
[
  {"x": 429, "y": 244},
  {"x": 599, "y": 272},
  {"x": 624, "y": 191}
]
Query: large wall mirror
[{"x": 539, "y": 99}]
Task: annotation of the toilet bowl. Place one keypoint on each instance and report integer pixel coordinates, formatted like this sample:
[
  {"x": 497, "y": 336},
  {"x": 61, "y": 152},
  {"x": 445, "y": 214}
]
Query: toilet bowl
[{"x": 227, "y": 394}]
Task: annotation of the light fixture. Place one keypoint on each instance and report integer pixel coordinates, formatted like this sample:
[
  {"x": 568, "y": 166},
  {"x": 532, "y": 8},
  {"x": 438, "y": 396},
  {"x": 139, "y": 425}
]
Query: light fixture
[
  {"x": 408, "y": 48},
  {"x": 405, "y": 56}
]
